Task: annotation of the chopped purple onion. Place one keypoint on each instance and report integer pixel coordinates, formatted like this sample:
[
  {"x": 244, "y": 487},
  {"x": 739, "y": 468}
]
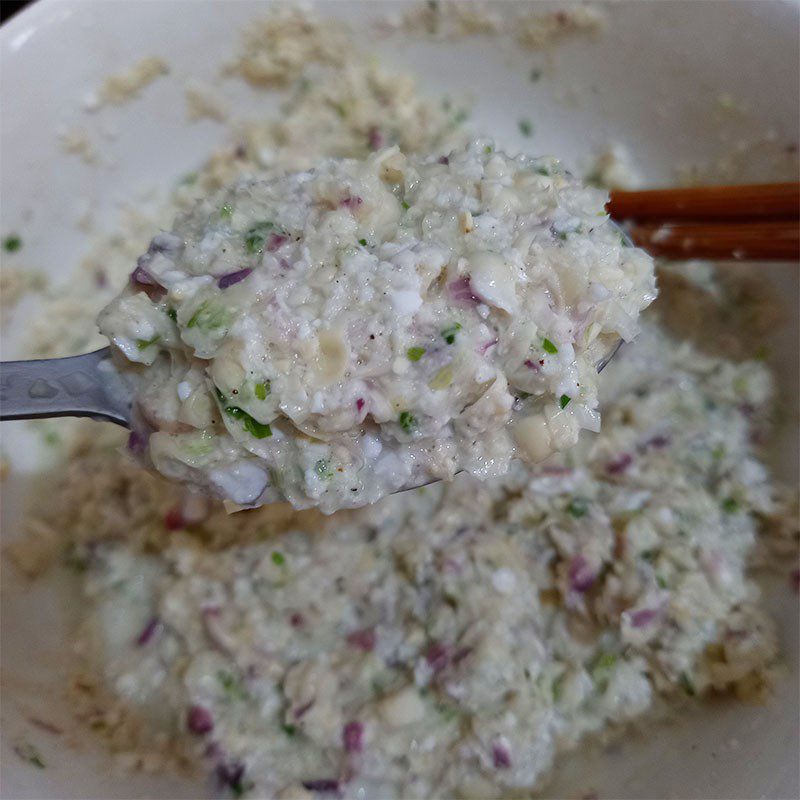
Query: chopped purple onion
[
  {"x": 296, "y": 619},
  {"x": 581, "y": 575},
  {"x": 199, "y": 720},
  {"x": 461, "y": 291},
  {"x": 658, "y": 442},
  {"x": 137, "y": 443},
  {"x": 174, "y": 520},
  {"x": 438, "y": 656},
  {"x": 231, "y": 278},
  {"x": 500, "y": 756},
  {"x": 461, "y": 654},
  {"x": 275, "y": 241},
  {"x": 643, "y": 617},
  {"x": 231, "y": 776},
  {"x": 324, "y": 785},
  {"x": 443, "y": 160},
  {"x": 375, "y": 138},
  {"x": 142, "y": 276},
  {"x": 532, "y": 364},
  {"x": 362, "y": 640},
  {"x": 304, "y": 709},
  {"x": 353, "y": 737},
  {"x": 360, "y": 403},
  {"x": 45, "y": 726},
  {"x": 148, "y": 632},
  {"x": 486, "y": 345},
  {"x": 619, "y": 465}
]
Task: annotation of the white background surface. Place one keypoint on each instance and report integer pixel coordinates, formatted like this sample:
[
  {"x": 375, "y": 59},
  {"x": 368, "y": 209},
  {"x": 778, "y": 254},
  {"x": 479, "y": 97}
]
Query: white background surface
[{"x": 651, "y": 83}]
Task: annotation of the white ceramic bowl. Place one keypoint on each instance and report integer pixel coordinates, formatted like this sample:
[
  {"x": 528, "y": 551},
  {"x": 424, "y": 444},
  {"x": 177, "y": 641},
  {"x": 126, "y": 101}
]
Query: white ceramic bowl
[{"x": 651, "y": 83}]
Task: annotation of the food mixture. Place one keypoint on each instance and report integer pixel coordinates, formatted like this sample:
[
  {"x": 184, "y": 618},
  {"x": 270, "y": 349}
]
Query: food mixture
[
  {"x": 450, "y": 641},
  {"x": 331, "y": 336}
]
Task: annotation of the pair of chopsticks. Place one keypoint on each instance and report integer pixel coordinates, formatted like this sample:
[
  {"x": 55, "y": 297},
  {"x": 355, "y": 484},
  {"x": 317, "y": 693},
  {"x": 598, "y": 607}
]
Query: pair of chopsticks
[{"x": 756, "y": 222}]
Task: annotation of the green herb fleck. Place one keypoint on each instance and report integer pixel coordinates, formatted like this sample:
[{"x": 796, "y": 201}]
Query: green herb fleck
[
  {"x": 542, "y": 171},
  {"x": 449, "y": 334},
  {"x": 362, "y": 242},
  {"x": 549, "y": 347},
  {"x": 258, "y": 429},
  {"x": 27, "y": 752},
  {"x": 232, "y": 687},
  {"x": 563, "y": 401},
  {"x": 577, "y": 508},
  {"x": 262, "y": 389},
  {"x": 415, "y": 353},
  {"x": 208, "y": 317},
  {"x": 12, "y": 243},
  {"x": 323, "y": 469},
  {"x": 226, "y": 212},
  {"x": 143, "y": 344},
  {"x": 405, "y": 205},
  {"x": 172, "y": 314},
  {"x": 525, "y": 127},
  {"x": 487, "y": 149},
  {"x": 289, "y": 730},
  {"x": 562, "y": 235},
  {"x": 730, "y": 505},
  {"x": 407, "y": 421},
  {"x": 601, "y": 669},
  {"x": 661, "y": 581},
  {"x": 257, "y": 235},
  {"x": 685, "y": 682},
  {"x": 442, "y": 379},
  {"x": 278, "y": 559}
]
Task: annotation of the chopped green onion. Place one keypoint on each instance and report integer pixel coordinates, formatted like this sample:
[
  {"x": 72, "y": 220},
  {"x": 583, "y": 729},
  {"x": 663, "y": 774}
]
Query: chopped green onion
[
  {"x": 685, "y": 682},
  {"x": 415, "y": 353},
  {"x": 257, "y": 235},
  {"x": 29, "y": 753},
  {"x": 232, "y": 687},
  {"x": 261, "y": 390},
  {"x": 362, "y": 242},
  {"x": 661, "y": 581},
  {"x": 405, "y": 205},
  {"x": 12, "y": 243},
  {"x": 601, "y": 668},
  {"x": 278, "y": 559},
  {"x": 289, "y": 730},
  {"x": 226, "y": 212},
  {"x": 525, "y": 127},
  {"x": 322, "y": 468},
  {"x": 449, "y": 334},
  {"x": 442, "y": 379},
  {"x": 208, "y": 316},
  {"x": 563, "y": 401},
  {"x": 172, "y": 314},
  {"x": 257, "y": 429},
  {"x": 143, "y": 344},
  {"x": 549, "y": 347},
  {"x": 730, "y": 505},
  {"x": 487, "y": 149},
  {"x": 577, "y": 507},
  {"x": 542, "y": 171},
  {"x": 407, "y": 421}
]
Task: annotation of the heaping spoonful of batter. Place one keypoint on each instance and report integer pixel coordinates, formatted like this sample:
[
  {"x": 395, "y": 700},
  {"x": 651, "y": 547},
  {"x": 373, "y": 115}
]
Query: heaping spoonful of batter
[{"x": 329, "y": 337}]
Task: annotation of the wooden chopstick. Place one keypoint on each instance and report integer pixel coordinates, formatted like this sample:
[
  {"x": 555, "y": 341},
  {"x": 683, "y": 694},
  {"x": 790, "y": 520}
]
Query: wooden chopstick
[
  {"x": 773, "y": 241},
  {"x": 766, "y": 201},
  {"x": 760, "y": 221}
]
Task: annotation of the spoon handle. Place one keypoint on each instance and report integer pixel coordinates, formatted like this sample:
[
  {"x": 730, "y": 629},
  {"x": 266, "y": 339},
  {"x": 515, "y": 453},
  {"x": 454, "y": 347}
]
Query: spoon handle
[{"x": 78, "y": 386}]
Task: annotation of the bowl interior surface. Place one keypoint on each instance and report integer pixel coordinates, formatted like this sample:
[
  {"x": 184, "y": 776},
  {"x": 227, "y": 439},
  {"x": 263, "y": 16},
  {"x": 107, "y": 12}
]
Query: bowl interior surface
[{"x": 652, "y": 83}]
